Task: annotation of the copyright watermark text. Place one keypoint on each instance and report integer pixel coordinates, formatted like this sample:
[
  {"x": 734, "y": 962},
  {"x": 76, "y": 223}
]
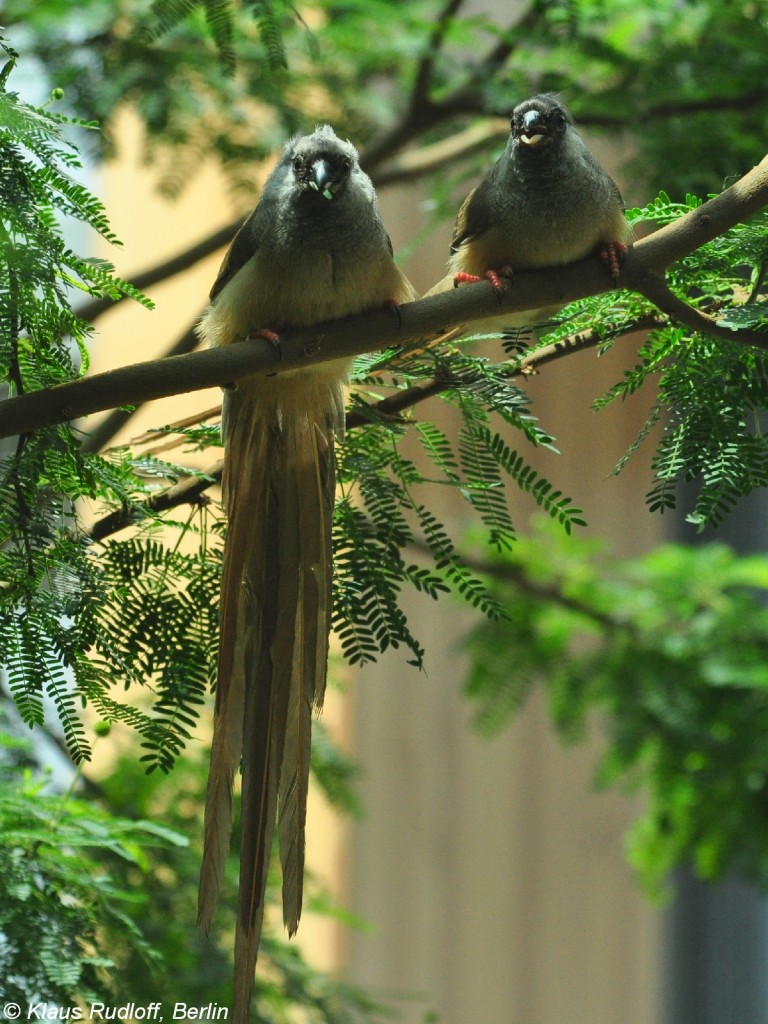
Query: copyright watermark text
[{"x": 93, "y": 1013}]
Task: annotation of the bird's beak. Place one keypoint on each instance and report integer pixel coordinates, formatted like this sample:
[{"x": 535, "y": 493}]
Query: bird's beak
[
  {"x": 321, "y": 178},
  {"x": 533, "y": 129}
]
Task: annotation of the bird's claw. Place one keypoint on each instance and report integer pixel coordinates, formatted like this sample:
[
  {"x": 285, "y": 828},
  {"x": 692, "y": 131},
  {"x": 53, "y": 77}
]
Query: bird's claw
[
  {"x": 271, "y": 336},
  {"x": 612, "y": 255},
  {"x": 494, "y": 276}
]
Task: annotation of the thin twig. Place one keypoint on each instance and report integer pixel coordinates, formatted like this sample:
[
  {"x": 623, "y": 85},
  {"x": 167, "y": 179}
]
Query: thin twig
[
  {"x": 415, "y": 163},
  {"x": 159, "y": 272},
  {"x": 678, "y": 108},
  {"x": 423, "y": 78},
  {"x": 516, "y": 577},
  {"x": 186, "y": 492},
  {"x": 408, "y": 398}
]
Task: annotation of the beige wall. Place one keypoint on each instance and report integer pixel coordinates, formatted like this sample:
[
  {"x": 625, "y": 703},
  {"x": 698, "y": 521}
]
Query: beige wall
[{"x": 493, "y": 876}]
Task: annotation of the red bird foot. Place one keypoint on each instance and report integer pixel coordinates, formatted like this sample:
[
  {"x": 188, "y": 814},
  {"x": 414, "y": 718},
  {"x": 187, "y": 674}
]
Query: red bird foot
[
  {"x": 613, "y": 254},
  {"x": 494, "y": 276},
  {"x": 271, "y": 336}
]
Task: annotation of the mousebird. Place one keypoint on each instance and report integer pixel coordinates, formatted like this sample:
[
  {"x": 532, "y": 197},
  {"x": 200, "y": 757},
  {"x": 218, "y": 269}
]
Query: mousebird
[
  {"x": 545, "y": 202},
  {"x": 313, "y": 249}
]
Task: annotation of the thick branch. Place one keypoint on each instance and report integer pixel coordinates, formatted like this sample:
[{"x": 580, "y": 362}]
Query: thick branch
[
  {"x": 415, "y": 163},
  {"x": 737, "y": 203},
  {"x": 103, "y": 433},
  {"x": 191, "y": 489},
  {"x": 420, "y": 320}
]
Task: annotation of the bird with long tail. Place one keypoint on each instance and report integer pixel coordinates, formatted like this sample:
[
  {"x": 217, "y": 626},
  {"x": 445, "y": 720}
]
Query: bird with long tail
[{"x": 313, "y": 249}]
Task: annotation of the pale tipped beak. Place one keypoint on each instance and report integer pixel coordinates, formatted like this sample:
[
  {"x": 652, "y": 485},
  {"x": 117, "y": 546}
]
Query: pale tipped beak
[
  {"x": 321, "y": 178},
  {"x": 531, "y": 135}
]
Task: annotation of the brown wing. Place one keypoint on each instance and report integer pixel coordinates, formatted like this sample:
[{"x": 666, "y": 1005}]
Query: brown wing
[
  {"x": 474, "y": 217},
  {"x": 244, "y": 245}
]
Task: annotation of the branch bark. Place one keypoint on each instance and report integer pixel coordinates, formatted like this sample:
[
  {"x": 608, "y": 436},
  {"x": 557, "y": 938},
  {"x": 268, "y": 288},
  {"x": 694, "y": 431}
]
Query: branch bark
[
  {"x": 417, "y": 321},
  {"x": 104, "y": 432},
  {"x": 189, "y": 491},
  {"x": 192, "y": 489},
  {"x": 457, "y": 146}
]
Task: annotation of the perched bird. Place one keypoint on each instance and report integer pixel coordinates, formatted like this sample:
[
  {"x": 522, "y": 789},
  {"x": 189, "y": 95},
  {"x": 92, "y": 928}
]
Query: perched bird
[
  {"x": 545, "y": 202},
  {"x": 313, "y": 249}
]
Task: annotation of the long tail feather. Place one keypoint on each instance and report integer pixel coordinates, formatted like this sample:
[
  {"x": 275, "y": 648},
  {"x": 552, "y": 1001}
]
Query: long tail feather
[
  {"x": 276, "y": 609},
  {"x": 242, "y": 498},
  {"x": 311, "y": 525}
]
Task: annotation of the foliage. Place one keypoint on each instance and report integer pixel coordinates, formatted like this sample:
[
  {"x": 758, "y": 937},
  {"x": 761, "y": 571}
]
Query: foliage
[
  {"x": 67, "y": 895},
  {"x": 141, "y": 612},
  {"x": 74, "y": 624},
  {"x": 97, "y": 899},
  {"x": 82, "y": 620},
  {"x": 196, "y": 968},
  {"x": 711, "y": 394},
  {"x": 691, "y": 75},
  {"x": 373, "y": 531},
  {"x": 671, "y": 651}
]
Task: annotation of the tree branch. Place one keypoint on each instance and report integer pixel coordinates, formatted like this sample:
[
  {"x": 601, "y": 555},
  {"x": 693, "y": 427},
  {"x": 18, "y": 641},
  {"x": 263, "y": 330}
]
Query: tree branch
[
  {"x": 103, "y": 433},
  {"x": 422, "y": 112},
  {"x": 552, "y": 593},
  {"x": 191, "y": 489},
  {"x": 423, "y": 79},
  {"x": 679, "y": 108},
  {"x": 89, "y": 311},
  {"x": 660, "y": 294},
  {"x": 458, "y": 146},
  {"x": 424, "y": 319},
  {"x": 416, "y": 163}
]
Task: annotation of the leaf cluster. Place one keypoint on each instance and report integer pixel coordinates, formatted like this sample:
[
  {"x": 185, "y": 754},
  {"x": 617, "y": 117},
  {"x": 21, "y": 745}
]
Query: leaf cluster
[
  {"x": 52, "y": 590},
  {"x": 711, "y": 395},
  {"x": 202, "y": 73},
  {"x": 669, "y": 652},
  {"x": 67, "y": 900},
  {"x": 383, "y": 511}
]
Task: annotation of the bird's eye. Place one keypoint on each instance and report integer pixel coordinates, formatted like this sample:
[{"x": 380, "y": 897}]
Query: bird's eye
[
  {"x": 345, "y": 164},
  {"x": 298, "y": 163},
  {"x": 559, "y": 118}
]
